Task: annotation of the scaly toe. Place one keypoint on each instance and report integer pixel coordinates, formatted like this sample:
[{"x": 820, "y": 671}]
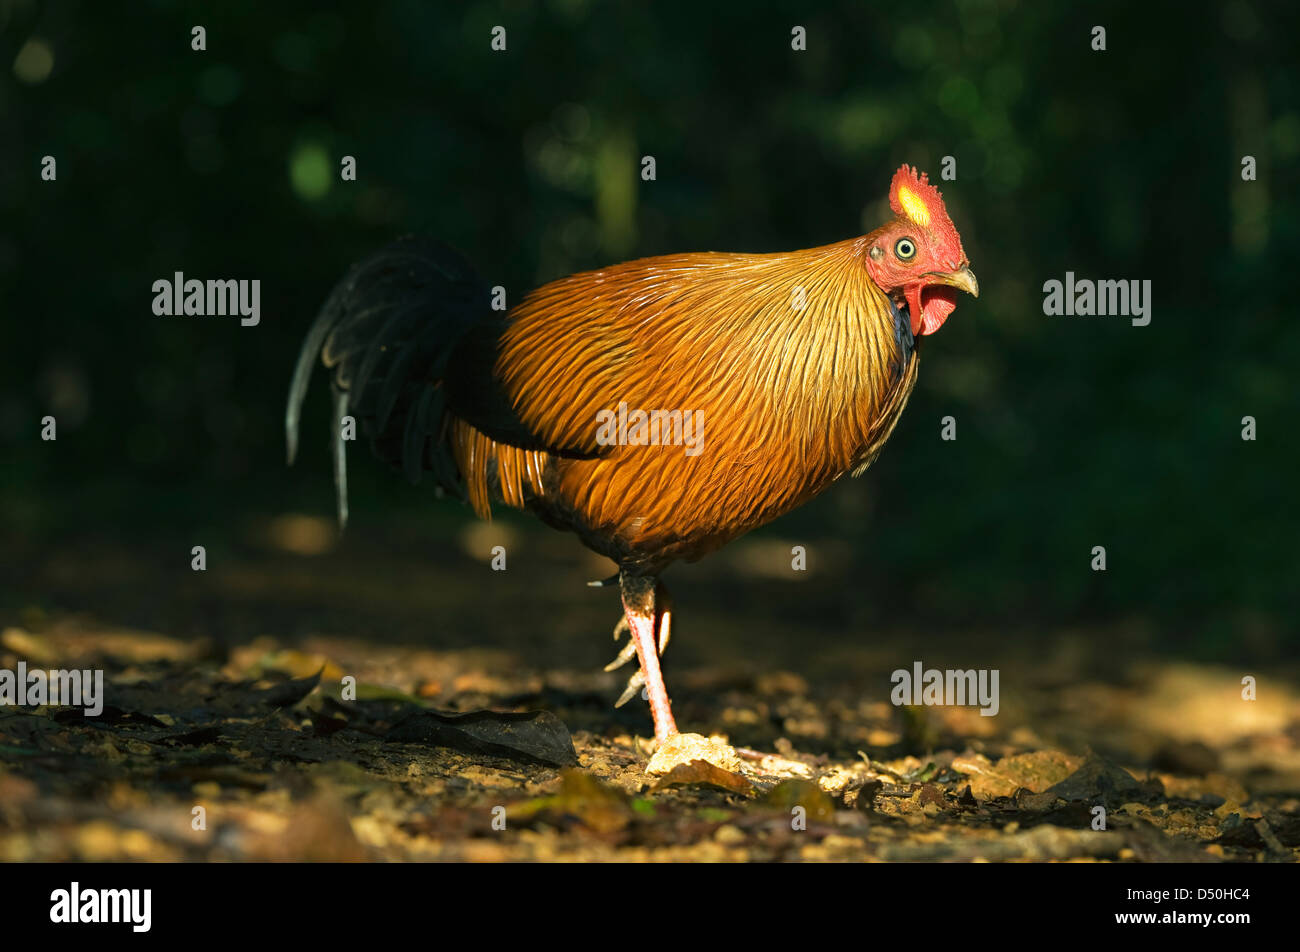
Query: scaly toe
[
  {"x": 624, "y": 656},
  {"x": 634, "y": 686}
]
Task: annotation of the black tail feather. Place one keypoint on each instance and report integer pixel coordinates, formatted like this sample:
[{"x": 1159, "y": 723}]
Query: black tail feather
[
  {"x": 340, "y": 457},
  {"x": 387, "y": 331}
]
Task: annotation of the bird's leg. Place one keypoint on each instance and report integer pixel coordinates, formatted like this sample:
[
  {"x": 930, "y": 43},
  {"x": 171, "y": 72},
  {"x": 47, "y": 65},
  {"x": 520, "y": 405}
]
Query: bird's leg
[
  {"x": 663, "y": 605},
  {"x": 642, "y": 621}
]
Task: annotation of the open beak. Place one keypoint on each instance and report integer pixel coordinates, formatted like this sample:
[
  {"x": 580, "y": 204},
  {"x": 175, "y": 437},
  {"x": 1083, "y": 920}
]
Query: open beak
[
  {"x": 929, "y": 306},
  {"x": 963, "y": 280}
]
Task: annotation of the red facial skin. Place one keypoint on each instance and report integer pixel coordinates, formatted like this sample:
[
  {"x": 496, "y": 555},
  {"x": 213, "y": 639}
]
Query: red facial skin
[{"x": 923, "y": 280}]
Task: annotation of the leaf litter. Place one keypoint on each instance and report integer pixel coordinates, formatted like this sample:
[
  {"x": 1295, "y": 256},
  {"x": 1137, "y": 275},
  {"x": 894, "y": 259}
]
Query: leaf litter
[{"x": 458, "y": 763}]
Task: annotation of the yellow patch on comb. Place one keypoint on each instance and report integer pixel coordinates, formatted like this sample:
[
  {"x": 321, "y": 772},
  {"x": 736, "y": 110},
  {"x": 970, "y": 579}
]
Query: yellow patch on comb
[{"x": 914, "y": 207}]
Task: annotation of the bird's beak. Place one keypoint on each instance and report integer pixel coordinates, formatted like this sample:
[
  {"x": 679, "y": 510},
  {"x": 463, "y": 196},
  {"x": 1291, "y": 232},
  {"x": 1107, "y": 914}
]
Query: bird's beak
[{"x": 963, "y": 280}]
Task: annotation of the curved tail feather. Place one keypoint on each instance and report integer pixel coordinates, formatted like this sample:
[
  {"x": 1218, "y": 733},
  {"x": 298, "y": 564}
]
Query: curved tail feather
[{"x": 387, "y": 332}]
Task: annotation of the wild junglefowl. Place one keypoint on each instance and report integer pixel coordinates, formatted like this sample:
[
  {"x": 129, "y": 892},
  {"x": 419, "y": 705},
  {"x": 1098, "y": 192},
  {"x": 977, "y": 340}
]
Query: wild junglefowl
[{"x": 794, "y": 367}]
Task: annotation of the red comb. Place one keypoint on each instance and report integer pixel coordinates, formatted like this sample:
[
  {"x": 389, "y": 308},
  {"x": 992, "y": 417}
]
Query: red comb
[{"x": 918, "y": 185}]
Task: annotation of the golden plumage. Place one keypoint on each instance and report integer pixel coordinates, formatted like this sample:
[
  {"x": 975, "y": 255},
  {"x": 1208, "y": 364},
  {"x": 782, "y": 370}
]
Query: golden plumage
[{"x": 792, "y": 396}]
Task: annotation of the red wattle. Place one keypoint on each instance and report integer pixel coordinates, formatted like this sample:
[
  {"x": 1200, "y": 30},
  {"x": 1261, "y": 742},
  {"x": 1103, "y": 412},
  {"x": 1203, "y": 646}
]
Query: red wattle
[
  {"x": 929, "y": 306},
  {"x": 913, "y": 295},
  {"x": 939, "y": 303}
]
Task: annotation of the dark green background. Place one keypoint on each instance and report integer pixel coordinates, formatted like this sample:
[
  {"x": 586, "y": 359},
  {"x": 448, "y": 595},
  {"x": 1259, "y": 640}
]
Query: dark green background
[{"x": 1072, "y": 432}]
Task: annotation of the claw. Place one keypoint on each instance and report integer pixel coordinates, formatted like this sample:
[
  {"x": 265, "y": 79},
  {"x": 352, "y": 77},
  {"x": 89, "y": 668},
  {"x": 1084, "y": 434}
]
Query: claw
[
  {"x": 634, "y": 685},
  {"x": 624, "y": 656}
]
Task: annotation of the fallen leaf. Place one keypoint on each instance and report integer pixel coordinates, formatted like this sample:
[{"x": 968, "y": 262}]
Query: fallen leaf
[
  {"x": 701, "y": 773},
  {"x": 1033, "y": 771},
  {"x": 789, "y": 794},
  {"x": 537, "y": 736},
  {"x": 290, "y": 692},
  {"x": 1098, "y": 781},
  {"x": 582, "y": 798}
]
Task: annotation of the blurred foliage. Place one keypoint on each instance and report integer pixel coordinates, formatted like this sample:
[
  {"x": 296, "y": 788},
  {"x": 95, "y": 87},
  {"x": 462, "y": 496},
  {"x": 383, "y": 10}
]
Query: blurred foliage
[{"x": 1072, "y": 432}]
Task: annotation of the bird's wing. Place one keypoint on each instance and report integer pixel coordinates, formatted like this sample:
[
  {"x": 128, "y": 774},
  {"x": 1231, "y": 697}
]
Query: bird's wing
[
  {"x": 478, "y": 390},
  {"x": 582, "y": 345}
]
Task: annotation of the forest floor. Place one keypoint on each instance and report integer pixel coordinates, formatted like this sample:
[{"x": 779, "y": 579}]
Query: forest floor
[{"x": 227, "y": 732}]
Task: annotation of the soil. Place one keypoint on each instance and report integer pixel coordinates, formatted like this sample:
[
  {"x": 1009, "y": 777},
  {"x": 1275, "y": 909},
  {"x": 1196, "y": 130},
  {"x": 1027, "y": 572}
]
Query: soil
[{"x": 298, "y": 699}]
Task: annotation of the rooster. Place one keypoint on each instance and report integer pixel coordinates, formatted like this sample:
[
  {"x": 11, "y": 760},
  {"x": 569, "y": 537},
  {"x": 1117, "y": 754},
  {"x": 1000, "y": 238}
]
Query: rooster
[{"x": 793, "y": 368}]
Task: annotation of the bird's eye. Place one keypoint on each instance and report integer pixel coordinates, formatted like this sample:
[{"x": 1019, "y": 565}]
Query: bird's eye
[{"x": 905, "y": 249}]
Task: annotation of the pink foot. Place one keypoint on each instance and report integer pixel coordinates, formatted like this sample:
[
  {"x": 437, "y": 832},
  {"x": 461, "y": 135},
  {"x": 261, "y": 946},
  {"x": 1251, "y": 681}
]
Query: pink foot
[{"x": 638, "y": 604}]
